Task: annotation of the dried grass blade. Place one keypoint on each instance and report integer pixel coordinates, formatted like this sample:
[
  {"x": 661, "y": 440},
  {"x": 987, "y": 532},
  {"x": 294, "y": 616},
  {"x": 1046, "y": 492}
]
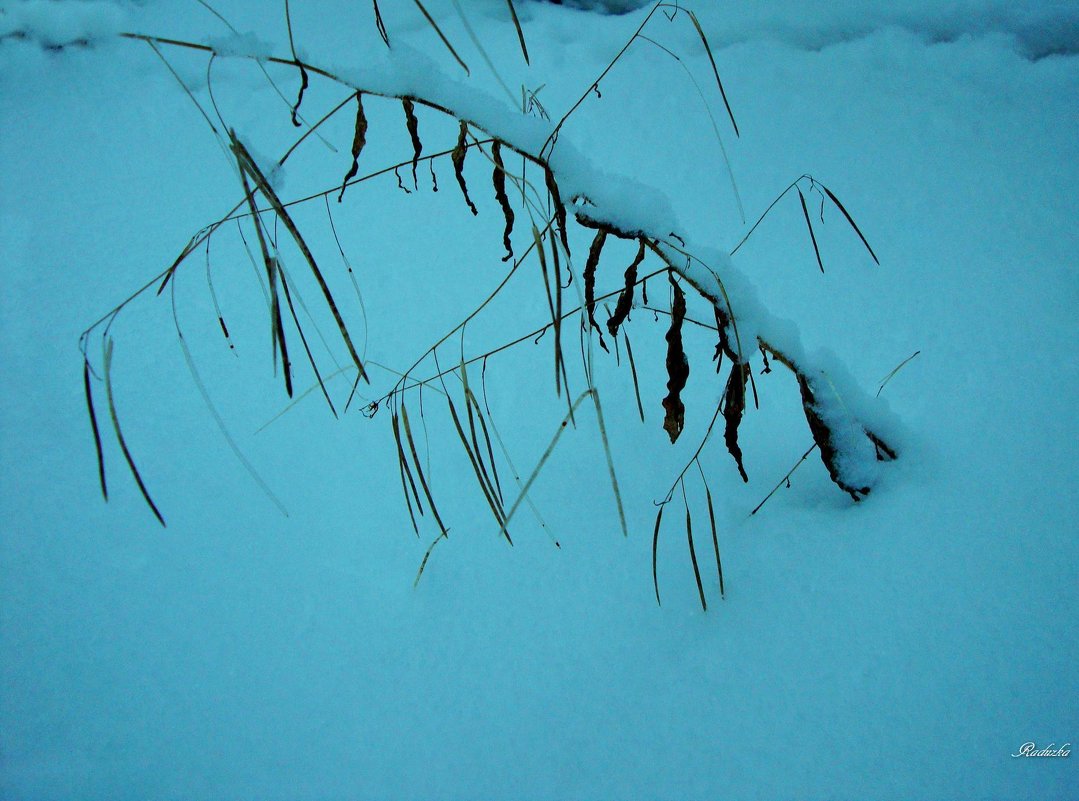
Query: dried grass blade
[
  {"x": 379, "y": 24},
  {"x": 419, "y": 469},
  {"x": 850, "y": 220},
  {"x": 359, "y": 139},
  {"x": 296, "y": 59},
  {"x": 734, "y": 406},
  {"x": 120, "y": 434},
  {"x": 541, "y": 252},
  {"x": 442, "y": 36},
  {"x": 283, "y": 215},
  {"x": 406, "y": 473},
  {"x": 633, "y": 372},
  {"x": 715, "y": 538},
  {"x": 480, "y": 475},
  {"x": 94, "y": 428},
  {"x": 715, "y": 70},
  {"x": 487, "y": 441},
  {"x": 559, "y": 207},
  {"x": 677, "y": 366},
  {"x": 809, "y": 225},
  {"x": 426, "y": 556},
  {"x": 499, "y": 180},
  {"x": 610, "y": 462},
  {"x": 306, "y": 347},
  {"x": 546, "y": 456},
  {"x": 458, "y": 159},
  {"x": 520, "y": 33},
  {"x": 655, "y": 554},
  {"x": 693, "y": 553}
]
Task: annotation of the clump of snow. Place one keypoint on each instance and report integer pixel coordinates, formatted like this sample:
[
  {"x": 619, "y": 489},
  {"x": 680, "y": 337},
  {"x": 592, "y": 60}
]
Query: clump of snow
[{"x": 55, "y": 25}]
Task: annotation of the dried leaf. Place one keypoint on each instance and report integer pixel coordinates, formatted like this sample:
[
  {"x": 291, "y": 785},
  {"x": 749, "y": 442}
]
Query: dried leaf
[
  {"x": 822, "y": 435},
  {"x": 625, "y": 297},
  {"x": 734, "y": 405},
  {"x": 715, "y": 70},
  {"x": 406, "y": 473},
  {"x": 677, "y": 366},
  {"x": 359, "y": 139},
  {"x": 414, "y": 132},
  {"x": 715, "y": 538},
  {"x": 559, "y": 208},
  {"x": 590, "y": 281},
  {"x": 499, "y": 179},
  {"x": 633, "y": 372},
  {"x": 419, "y": 469},
  {"x": 520, "y": 33},
  {"x": 458, "y": 158}
]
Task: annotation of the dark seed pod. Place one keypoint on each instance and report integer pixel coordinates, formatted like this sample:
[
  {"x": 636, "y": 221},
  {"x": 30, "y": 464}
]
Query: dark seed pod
[{"x": 559, "y": 208}]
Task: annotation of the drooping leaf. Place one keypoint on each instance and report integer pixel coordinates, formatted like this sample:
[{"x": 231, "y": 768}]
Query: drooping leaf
[
  {"x": 850, "y": 220},
  {"x": 94, "y": 428},
  {"x": 413, "y": 126},
  {"x": 625, "y": 297},
  {"x": 590, "y": 281},
  {"x": 809, "y": 225},
  {"x": 458, "y": 159},
  {"x": 499, "y": 179},
  {"x": 359, "y": 139},
  {"x": 734, "y": 405},
  {"x": 677, "y": 366}
]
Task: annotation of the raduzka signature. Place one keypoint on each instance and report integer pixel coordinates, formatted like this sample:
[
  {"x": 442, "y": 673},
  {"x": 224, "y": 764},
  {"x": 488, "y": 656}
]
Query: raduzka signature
[{"x": 1031, "y": 750}]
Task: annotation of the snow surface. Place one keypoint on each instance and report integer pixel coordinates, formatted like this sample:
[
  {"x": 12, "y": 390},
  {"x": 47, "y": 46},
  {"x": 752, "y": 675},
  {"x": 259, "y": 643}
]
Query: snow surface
[{"x": 901, "y": 648}]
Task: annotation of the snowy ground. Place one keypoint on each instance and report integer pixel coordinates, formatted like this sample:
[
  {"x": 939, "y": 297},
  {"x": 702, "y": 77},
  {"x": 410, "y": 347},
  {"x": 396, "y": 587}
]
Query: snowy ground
[{"x": 901, "y": 648}]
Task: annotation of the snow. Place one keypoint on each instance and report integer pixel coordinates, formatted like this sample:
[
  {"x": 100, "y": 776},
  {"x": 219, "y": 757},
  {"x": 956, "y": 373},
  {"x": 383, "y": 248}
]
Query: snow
[{"x": 903, "y": 647}]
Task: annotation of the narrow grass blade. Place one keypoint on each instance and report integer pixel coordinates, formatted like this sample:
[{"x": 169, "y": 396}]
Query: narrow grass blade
[
  {"x": 850, "y": 220},
  {"x": 306, "y": 347},
  {"x": 809, "y": 225},
  {"x": 693, "y": 551},
  {"x": 93, "y": 426},
  {"x": 891, "y": 375},
  {"x": 303, "y": 72},
  {"x": 286, "y": 219},
  {"x": 474, "y": 404},
  {"x": 442, "y": 36},
  {"x": 546, "y": 455},
  {"x": 499, "y": 515},
  {"x": 715, "y": 538},
  {"x": 715, "y": 70},
  {"x": 633, "y": 372},
  {"x": 655, "y": 554},
  {"x": 426, "y": 556},
  {"x": 610, "y": 462},
  {"x": 419, "y": 469},
  {"x": 120, "y": 435},
  {"x": 520, "y": 33},
  {"x": 403, "y": 469},
  {"x": 380, "y": 25},
  {"x": 472, "y": 407}
]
